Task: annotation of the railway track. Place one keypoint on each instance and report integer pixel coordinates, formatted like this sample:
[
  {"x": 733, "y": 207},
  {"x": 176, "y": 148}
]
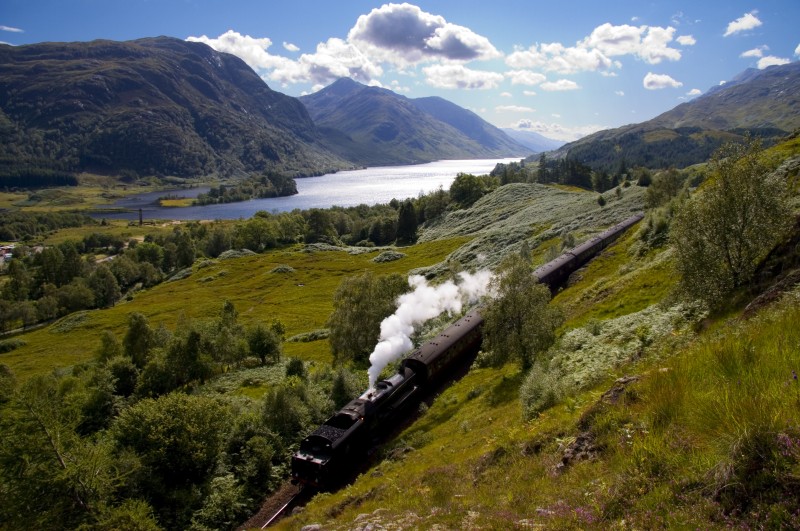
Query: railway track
[{"x": 277, "y": 506}]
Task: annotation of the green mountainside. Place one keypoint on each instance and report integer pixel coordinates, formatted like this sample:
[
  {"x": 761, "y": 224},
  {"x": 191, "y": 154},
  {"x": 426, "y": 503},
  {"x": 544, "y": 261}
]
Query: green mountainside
[
  {"x": 375, "y": 126},
  {"x": 150, "y": 106},
  {"x": 765, "y": 103}
]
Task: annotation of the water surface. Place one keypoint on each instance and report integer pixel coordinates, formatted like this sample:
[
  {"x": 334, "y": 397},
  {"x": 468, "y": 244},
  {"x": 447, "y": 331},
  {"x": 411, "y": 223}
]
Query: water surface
[{"x": 369, "y": 186}]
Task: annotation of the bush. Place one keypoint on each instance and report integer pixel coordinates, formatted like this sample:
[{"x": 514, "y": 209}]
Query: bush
[
  {"x": 308, "y": 337},
  {"x": 541, "y": 390},
  {"x": 388, "y": 256},
  {"x": 235, "y": 253},
  {"x": 296, "y": 367},
  {"x": 282, "y": 269},
  {"x": 181, "y": 274},
  {"x": 11, "y": 344}
]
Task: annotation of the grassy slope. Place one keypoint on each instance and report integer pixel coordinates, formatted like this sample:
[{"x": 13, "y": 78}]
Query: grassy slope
[
  {"x": 302, "y": 300},
  {"x": 538, "y": 214},
  {"x": 712, "y": 427},
  {"x": 707, "y": 436}
]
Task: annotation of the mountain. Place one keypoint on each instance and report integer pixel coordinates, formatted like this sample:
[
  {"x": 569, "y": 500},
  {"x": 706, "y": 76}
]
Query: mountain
[
  {"x": 532, "y": 140},
  {"x": 765, "y": 103},
  {"x": 470, "y": 124},
  {"x": 159, "y": 106},
  {"x": 375, "y": 126}
]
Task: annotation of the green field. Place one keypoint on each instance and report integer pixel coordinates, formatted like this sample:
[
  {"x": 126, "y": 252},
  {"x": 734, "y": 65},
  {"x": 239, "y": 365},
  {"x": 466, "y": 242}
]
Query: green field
[{"x": 302, "y": 300}]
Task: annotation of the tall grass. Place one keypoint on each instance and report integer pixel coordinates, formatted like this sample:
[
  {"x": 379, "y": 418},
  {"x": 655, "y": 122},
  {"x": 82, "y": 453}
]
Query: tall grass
[{"x": 730, "y": 406}]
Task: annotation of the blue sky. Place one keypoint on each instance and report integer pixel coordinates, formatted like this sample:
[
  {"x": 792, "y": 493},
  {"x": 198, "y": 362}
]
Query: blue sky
[{"x": 563, "y": 69}]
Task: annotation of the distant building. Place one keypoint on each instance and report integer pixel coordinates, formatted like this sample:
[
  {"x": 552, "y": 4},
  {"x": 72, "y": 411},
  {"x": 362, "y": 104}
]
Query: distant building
[{"x": 7, "y": 252}]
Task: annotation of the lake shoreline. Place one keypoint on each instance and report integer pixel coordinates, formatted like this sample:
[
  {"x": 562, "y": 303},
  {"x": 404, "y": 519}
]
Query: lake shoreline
[{"x": 345, "y": 188}]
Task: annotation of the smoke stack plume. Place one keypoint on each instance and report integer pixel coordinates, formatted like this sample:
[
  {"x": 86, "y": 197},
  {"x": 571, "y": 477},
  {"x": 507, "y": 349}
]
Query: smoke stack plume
[{"x": 414, "y": 308}]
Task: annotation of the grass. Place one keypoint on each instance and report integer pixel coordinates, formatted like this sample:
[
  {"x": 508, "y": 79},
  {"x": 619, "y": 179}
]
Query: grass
[
  {"x": 709, "y": 438},
  {"x": 119, "y": 228},
  {"x": 500, "y": 222},
  {"x": 301, "y": 299},
  {"x": 616, "y": 284},
  {"x": 179, "y": 202},
  {"x": 93, "y": 191}
]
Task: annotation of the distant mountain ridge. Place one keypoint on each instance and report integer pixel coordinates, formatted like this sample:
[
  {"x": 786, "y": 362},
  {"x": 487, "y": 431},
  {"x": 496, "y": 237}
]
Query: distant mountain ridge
[
  {"x": 765, "y": 103},
  {"x": 375, "y": 126},
  {"x": 533, "y": 140},
  {"x": 150, "y": 106}
]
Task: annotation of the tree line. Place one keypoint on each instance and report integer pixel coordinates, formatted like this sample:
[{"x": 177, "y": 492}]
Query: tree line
[
  {"x": 45, "y": 283},
  {"x": 570, "y": 171},
  {"x": 271, "y": 184}
]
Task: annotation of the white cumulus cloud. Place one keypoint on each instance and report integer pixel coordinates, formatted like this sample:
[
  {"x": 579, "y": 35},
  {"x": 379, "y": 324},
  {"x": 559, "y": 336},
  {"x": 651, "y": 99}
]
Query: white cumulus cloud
[
  {"x": 771, "y": 60},
  {"x": 288, "y": 46},
  {"x": 525, "y": 77},
  {"x": 251, "y": 50},
  {"x": 330, "y": 61},
  {"x": 649, "y": 43},
  {"x": 455, "y": 76},
  {"x": 528, "y": 93},
  {"x": 758, "y": 51},
  {"x": 514, "y": 108},
  {"x": 555, "y": 57},
  {"x": 746, "y": 22},
  {"x": 619, "y": 93},
  {"x": 11, "y": 29},
  {"x": 405, "y": 34},
  {"x": 595, "y": 52},
  {"x": 557, "y": 131},
  {"x": 506, "y": 95},
  {"x": 560, "y": 85},
  {"x": 659, "y": 81},
  {"x": 694, "y": 92}
]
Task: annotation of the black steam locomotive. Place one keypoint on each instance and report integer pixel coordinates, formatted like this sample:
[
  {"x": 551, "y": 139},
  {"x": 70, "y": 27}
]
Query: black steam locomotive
[{"x": 331, "y": 452}]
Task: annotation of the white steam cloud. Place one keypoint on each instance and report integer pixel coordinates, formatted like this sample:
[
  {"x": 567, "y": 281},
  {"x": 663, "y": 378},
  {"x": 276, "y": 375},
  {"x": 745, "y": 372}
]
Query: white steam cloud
[{"x": 418, "y": 306}]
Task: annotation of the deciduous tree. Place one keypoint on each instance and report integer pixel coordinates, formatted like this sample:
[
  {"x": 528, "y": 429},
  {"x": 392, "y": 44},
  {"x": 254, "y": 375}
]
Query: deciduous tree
[
  {"x": 359, "y": 305},
  {"x": 105, "y": 287},
  {"x": 266, "y": 342},
  {"x": 736, "y": 217},
  {"x": 519, "y": 323},
  {"x": 139, "y": 339}
]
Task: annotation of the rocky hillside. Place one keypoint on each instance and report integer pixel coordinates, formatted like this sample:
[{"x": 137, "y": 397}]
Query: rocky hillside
[
  {"x": 765, "y": 103},
  {"x": 375, "y": 126},
  {"x": 149, "y": 106}
]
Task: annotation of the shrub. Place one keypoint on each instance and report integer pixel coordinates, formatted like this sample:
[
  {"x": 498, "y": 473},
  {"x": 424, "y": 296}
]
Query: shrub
[
  {"x": 296, "y": 367},
  {"x": 388, "y": 256},
  {"x": 8, "y": 345},
  {"x": 235, "y": 253},
  {"x": 282, "y": 269},
  {"x": 541, "y": 390},
  {"x": 307, "y": 337}
]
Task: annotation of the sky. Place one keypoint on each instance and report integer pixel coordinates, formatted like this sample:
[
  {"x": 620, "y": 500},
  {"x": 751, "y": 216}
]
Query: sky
[{"x": 562, "y": 69}]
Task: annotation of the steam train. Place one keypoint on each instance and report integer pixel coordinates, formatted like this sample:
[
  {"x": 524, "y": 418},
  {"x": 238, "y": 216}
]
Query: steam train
[{"x": 332, "y": 451}]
